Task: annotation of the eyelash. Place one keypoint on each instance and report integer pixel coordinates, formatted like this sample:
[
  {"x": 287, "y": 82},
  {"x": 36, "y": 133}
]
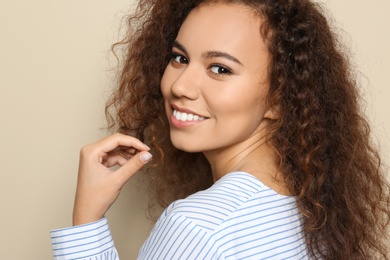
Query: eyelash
[
  {"x": 174, "y": 56},
  {"x": 225, "y": 70}
]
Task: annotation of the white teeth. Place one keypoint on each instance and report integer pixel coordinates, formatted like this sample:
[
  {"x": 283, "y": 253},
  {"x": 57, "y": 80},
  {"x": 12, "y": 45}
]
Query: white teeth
[
  {"x": 183, "y": 117},
  {"x": 186, "y": 116}
]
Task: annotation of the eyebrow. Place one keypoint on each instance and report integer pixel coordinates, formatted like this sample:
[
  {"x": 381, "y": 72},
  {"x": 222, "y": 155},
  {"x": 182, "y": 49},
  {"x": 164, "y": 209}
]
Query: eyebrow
[
  {"x": 217, "y": 54},
  {"x": 179, "y": 46},
  {"x": 208, "y": 54}
]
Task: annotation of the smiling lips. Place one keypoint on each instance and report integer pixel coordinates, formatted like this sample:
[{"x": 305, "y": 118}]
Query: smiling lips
[{"x": 182, "y": 116}]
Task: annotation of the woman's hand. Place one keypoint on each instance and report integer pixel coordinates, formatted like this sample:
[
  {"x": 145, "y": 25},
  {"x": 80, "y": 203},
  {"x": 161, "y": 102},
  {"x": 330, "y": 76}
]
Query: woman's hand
[{"x": 98, "y": 186}]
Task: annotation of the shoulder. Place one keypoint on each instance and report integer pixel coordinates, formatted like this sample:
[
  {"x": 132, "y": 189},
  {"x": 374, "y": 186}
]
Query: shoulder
[
  {"x": 237, "y": 210},
  {"x": 211, "y": 207}
]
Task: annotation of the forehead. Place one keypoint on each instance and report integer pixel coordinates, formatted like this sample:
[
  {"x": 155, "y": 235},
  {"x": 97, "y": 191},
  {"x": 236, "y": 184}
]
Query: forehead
[{"x": 223, "y": 27}]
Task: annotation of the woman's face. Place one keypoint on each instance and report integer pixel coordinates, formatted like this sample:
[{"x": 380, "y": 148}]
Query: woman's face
[{"x": 216, "y": 83}]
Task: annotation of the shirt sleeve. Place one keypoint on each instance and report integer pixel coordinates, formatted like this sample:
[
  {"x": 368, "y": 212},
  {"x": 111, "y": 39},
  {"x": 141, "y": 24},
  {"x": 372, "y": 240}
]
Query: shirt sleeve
[{"x": 87, "y": 242}]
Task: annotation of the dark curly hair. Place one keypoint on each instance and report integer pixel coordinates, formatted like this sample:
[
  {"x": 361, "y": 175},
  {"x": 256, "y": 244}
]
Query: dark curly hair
[{"x": 321, "y": 137}]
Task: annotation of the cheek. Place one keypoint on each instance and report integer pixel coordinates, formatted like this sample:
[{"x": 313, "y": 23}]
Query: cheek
[
  {"x": 240, "y": 108},
  {"x": 238, "y": 100},
  {"x": 164, "y": 84}
]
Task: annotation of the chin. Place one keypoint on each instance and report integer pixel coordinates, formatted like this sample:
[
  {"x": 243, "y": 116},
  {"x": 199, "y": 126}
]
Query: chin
[{"x": 186, "y": 147}]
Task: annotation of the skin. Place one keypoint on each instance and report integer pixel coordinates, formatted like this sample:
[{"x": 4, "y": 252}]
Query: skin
[
  {"x": 97, "y": 185},
  {"x": 218, "y": 71}
]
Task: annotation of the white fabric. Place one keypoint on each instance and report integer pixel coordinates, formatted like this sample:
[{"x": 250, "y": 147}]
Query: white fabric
[
  {"x": 237, "y": 218},
  {"x": 84, "y": 242}
]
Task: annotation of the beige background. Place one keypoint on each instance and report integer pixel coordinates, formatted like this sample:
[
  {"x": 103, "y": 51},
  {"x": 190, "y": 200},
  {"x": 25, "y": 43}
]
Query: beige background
[{"x": 54, "y": 76}]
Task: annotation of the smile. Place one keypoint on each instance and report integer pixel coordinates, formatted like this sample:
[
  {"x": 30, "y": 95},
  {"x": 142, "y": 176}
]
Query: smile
[{"x": 182, "y": 116}]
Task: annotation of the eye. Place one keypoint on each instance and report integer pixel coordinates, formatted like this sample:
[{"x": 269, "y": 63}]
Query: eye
[
  {"x": 178, "y": 58},
  {"x": 220, "y": 70}
]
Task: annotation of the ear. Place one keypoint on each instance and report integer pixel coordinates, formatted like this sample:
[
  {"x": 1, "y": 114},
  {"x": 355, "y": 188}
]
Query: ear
[{"x": 272, "y": 113}]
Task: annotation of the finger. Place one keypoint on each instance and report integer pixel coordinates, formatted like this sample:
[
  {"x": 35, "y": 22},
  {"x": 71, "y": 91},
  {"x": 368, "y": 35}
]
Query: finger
[
  {"x": 124, "y": 149},
  {"x": 133, "y": 165},
  {"x": 119, "y": 141},
  {"x": 130, "y": 151},
  {"x": 117, "y": 152},
  {"x": 115, "y": 160}
]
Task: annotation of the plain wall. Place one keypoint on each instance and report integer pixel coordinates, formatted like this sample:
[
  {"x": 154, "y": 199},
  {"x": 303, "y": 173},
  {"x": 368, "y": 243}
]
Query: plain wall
[{"x": 54, "y": 77}]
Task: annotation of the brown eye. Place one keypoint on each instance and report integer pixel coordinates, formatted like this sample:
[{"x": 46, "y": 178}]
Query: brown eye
[
  {"x": 220, "y": 70},
  {"x": 178, "y": 58}
]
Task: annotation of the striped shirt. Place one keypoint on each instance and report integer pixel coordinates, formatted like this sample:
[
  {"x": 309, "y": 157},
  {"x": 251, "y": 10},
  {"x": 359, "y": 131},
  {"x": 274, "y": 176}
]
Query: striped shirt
[
  {"x": 237, "y": 218},
  {"x": 89, "y": 241}
]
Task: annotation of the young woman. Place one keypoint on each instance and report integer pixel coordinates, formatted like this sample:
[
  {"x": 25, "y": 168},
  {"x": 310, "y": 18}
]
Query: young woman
[{"x": 259, "y": 147}]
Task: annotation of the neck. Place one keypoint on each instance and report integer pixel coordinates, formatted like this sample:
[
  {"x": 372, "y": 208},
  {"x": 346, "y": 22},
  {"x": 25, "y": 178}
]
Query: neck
[{"x": 254, "y": 156}]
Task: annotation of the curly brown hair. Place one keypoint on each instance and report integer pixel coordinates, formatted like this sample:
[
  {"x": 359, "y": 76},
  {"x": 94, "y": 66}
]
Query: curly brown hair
[{"x": 321, "y": 137}]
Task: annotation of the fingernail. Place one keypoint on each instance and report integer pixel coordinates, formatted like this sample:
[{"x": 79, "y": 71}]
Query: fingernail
[
  {"x": 147, "y": 147},
  {"x": 146, "y": 157}
]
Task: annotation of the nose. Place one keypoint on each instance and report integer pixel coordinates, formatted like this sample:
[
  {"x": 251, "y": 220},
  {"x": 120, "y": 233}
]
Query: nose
[{"x": 187, "y": 83}]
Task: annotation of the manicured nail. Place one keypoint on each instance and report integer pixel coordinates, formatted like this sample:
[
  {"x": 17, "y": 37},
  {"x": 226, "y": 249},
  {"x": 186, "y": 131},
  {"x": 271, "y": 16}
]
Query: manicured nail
[
  {"x": 147, "y": 147},
  {"x": 146, "y": 157}
]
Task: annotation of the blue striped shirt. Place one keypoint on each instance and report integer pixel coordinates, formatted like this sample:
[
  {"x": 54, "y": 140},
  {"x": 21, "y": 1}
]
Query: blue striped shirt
[
  {"x": 237, "y": 218},
  {"x": 90, "y": 241}
]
